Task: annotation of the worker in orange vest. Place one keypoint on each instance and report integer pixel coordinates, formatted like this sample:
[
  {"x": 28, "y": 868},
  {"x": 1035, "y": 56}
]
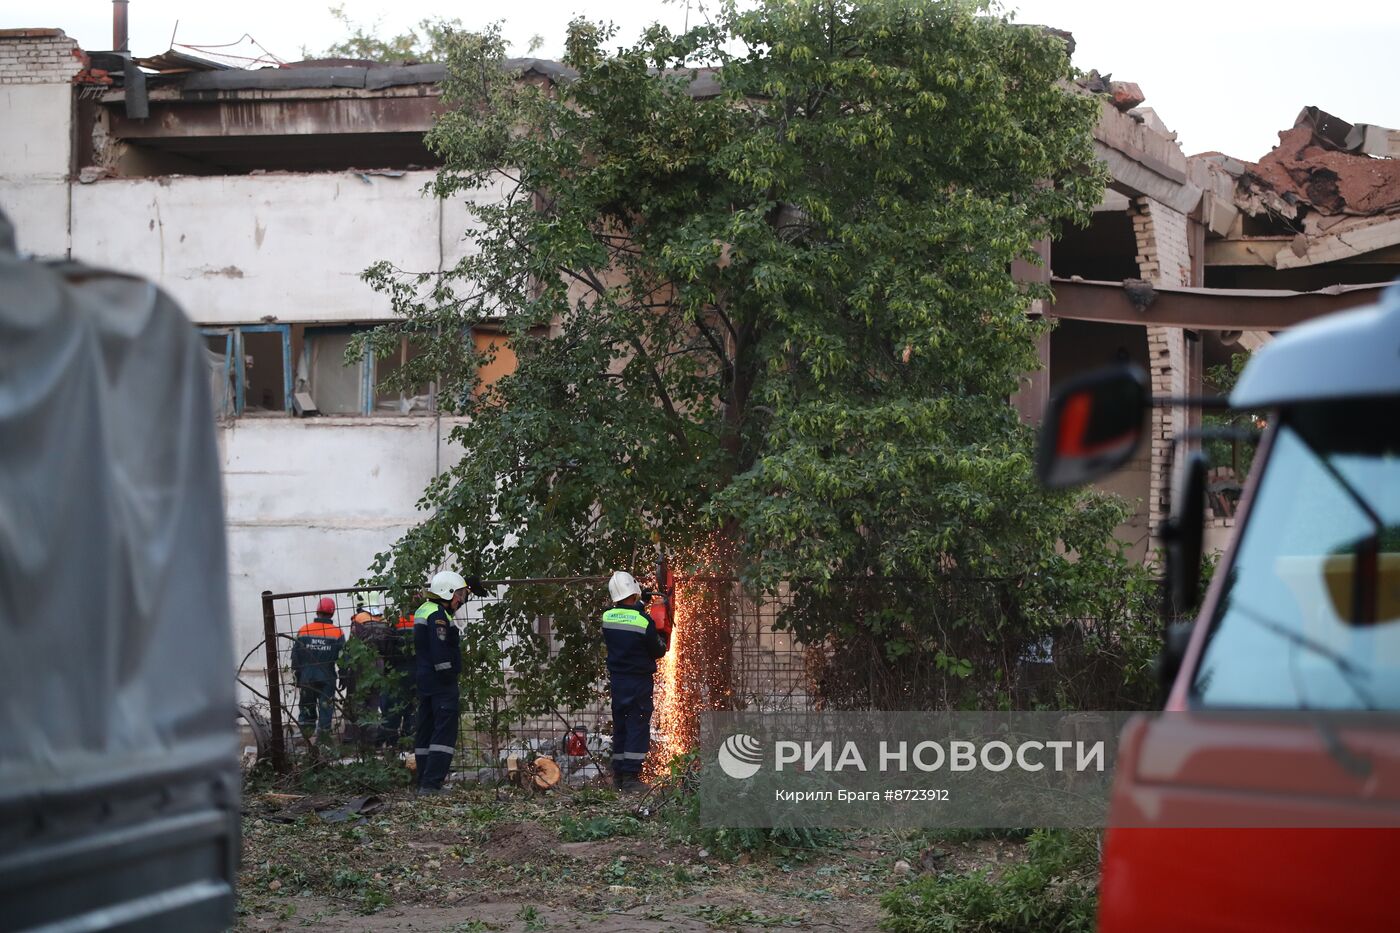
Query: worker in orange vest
[{"x": 315, "y": 659}]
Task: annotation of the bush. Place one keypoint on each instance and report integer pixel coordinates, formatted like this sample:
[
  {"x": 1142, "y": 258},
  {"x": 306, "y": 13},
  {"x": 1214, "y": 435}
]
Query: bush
[
  {"x": 1053, "y": 891},
  {"x": 680, "y": 809},
  {"x": 598, "y": 827}
]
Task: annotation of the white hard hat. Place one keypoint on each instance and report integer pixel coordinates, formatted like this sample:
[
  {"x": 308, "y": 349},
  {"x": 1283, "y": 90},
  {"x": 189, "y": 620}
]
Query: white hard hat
[
  {"x": 445, "y": 583},
  {"x": 622, "y": 586},
  {"x": 374, "y": 602}
]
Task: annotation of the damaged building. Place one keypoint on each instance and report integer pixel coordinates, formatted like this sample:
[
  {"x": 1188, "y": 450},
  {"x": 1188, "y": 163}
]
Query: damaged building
[
  {"x": 257, "y": 197},
  {"x": 1188, "y": 261}
]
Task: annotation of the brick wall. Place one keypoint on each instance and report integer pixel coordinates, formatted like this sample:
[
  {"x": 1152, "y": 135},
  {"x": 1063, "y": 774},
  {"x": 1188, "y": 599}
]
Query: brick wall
[
  {"x": 1163, "y": 242},
  {"x": 38, "y": 56},
  {"x": 1164, "y": 258}
]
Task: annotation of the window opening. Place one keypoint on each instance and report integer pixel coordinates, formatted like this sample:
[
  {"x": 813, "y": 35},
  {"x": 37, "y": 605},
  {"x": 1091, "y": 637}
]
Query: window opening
[
  {"x": 421, "y": 398},
  {"x": 250, "y": 367},
  {"x": 218, "y": 356},
  {"x": 337, "y": 387}
]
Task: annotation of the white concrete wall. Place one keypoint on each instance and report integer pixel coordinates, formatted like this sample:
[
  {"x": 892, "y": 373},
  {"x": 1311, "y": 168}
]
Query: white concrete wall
[
  {"x": 232, "y": 249},
  {"x": 44, "y": 112},
  {"x": 38, "y": 209},
  {"x": 36, "y": 126},
  {"x": 310, "y": 501}
]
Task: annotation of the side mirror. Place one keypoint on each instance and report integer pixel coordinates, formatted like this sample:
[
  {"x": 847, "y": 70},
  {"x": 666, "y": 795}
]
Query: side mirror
[
  {"x": 1093, "y": 425},
  {"x": 1183, "y": 535}
]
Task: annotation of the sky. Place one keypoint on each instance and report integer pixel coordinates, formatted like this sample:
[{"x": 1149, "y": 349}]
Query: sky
[{"x": 1225, "y": 75}]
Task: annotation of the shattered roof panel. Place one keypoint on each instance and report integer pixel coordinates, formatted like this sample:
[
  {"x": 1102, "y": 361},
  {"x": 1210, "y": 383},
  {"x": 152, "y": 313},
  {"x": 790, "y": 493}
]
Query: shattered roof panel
[
  {"x": 173, "y": 62},
  {"x": 1299, "y": 169}
]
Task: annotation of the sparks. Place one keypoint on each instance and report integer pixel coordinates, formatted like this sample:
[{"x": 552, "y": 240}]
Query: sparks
[{"x": 695, "y": 674}]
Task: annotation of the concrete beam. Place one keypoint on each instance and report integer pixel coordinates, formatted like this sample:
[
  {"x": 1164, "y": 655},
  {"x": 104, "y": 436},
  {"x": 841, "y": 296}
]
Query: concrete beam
[
  {"x": 1262, "y": 251},
  {"x": 1134, "y": 179},
  {"x": 1256, "y": 251},
  {"x": 1112, "y": 202},
  {"x": 1232, "y": 309},
  {"x": 1344, "y": 244},
  {"x": 1376, "y": 140},
  {"x": 331, "y": 116},
  {"x": 1141, "y": 143}
]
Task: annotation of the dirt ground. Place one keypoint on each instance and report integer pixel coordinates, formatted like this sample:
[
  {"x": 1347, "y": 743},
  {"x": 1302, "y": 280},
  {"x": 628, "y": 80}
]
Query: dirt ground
[{"x": 495, "y": 859}]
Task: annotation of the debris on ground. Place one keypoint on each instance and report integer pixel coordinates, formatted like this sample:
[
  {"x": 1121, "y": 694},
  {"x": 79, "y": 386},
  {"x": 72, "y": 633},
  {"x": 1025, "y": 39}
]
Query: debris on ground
[{"x": 503, "y": 858}]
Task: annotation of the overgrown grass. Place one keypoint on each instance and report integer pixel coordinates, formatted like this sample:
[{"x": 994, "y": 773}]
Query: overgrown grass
[
  {"x": 595, "y": 828},
  {"x": 1053, "y": 891},
  {"x": 369, "y": 775}
]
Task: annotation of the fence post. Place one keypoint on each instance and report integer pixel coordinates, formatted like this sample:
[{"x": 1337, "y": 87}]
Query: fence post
[{"x": 274, "y": 685}]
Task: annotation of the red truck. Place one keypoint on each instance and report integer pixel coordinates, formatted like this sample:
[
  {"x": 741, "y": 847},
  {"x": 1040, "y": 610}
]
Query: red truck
[{"x": 1266, "y": 795}]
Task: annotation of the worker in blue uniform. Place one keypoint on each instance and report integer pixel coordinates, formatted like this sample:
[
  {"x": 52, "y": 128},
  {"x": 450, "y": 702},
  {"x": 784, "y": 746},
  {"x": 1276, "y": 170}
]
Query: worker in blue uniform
[
  {"x": 438, "y": 662},
  {"x": 634, "y": 644},
  {"x": 315, "y": 659}
]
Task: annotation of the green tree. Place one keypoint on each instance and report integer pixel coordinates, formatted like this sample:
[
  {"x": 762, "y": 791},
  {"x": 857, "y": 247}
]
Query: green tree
[
  {"x": 427, "y": 43},
  {"x": 1236, "y": 454},
  {"x": 763, "y": 314}
]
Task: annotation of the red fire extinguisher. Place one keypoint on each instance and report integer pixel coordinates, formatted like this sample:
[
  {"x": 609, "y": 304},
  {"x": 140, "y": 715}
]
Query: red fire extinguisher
[{"x": 576, "y": 743}]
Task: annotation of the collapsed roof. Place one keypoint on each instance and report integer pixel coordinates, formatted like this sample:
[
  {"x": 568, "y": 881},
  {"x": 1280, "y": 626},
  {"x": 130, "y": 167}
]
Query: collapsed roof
[{"x": 1330, "y": 190}]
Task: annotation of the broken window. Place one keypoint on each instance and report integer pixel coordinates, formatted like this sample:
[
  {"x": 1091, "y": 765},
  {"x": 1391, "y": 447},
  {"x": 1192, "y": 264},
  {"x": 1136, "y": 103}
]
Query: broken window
[
  {"x": 337, "y": 387},
  {"x": 420, "y": 398},
  {"x": 250, "y": 367},
  {"x": 501, "y": 360},
  {"x": 323, "y": 377},
  {"x": 218, "y": 351}
]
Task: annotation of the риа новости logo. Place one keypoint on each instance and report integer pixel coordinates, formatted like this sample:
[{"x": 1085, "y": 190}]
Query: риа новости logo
[{"x": 740, "y": 756}]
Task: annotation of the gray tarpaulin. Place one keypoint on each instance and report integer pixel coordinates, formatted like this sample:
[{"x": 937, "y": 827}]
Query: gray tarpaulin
[{"x": 116, "y": 653}]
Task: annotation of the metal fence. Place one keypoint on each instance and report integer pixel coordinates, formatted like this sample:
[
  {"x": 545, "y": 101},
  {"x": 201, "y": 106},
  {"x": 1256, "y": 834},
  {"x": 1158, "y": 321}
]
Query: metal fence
[
  {"x": 755, "y": 660},
  {"x": 764, "y": 668}
]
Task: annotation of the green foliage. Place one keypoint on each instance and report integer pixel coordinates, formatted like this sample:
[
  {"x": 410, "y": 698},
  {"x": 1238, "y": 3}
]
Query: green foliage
[
  {"x": 682, "y": 816},
  {"x": 365, "y": 776},
  {"x": 1238, "y": 455},
  {"x": 595, "y": 828},
  {"x": 1053, "y": 891},
  {"x": 530, "y": 916},
  {"x": 743, "y": 918},
  {"x": 728, "y": 841},
  {"x": 427, "y": 43},
  {"x": 778, "y": 320}
]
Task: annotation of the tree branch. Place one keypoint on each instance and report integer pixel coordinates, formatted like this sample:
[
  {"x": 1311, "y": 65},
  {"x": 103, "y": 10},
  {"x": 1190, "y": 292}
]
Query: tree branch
[
  {"x": 677, "y": 422},
  {"x": 715, "y": 344}
]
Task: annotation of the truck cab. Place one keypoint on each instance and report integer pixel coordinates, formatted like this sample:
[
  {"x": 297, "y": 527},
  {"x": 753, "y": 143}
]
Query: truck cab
[
  {"x": 1266, "y": 794},
  {"x": 119, "y": 777}
]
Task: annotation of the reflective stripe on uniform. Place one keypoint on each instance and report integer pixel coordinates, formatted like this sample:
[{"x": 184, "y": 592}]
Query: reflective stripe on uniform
[
  {"x": 625, "y": 627},
  {"x": 420, "y": 615},
  {"x": 441, "y": 748},
  {"x": 420, "y": 751},
  {"x": 621, "y": 619},
  {"x": 631, "y": 756},
  {"x": 444, "y": 666}
]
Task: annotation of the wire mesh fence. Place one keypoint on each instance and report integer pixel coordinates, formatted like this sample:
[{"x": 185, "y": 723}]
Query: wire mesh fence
[{"x": 754, "y": 658}]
